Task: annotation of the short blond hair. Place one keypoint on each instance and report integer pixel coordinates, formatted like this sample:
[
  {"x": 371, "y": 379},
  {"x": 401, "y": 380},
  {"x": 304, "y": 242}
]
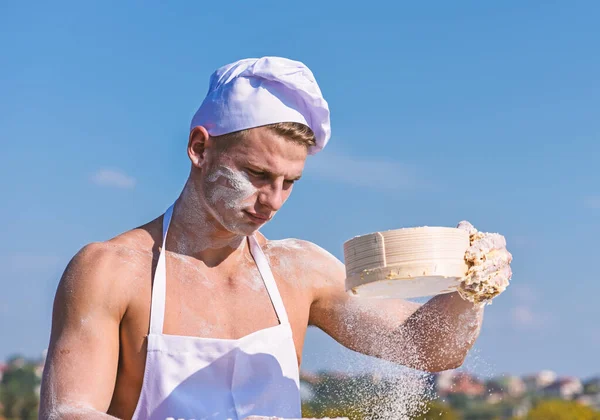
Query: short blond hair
[{"x": 292, "y": 131}]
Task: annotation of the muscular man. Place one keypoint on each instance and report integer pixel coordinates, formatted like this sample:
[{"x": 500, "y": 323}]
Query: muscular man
[{"x": 196, "y": 315}]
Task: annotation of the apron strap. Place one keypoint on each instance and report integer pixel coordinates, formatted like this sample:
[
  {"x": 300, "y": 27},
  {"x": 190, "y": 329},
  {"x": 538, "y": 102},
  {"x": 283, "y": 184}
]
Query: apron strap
[
  {"x": 159, "y": 287},
  {"x": 267, "y": 275}
]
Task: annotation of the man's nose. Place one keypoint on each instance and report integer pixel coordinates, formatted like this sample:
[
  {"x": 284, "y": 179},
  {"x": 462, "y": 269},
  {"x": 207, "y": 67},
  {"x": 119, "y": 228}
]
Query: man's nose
[{"x": 272, "y": 195}]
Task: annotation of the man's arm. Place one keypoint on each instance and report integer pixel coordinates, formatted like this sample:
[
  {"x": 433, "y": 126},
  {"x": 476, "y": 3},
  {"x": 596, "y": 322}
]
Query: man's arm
[
  {"x": 433, "y": 337},
  {"x": 83, "y": 354}
]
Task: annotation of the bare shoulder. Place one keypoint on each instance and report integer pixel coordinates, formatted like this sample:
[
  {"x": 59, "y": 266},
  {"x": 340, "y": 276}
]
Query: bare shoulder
[
  {"x": 308, "y": 262},
  {"x": 292, "y": 246},
  {"x": 107, "y": 271}
]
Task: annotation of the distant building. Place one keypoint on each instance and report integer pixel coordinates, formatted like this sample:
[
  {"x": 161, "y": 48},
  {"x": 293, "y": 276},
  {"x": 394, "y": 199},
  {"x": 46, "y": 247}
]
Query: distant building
[
  {"x": 444, "y": 381},
  {"x": 511, "y": 386},
  {"x": 539, "y": 380},
  {"x": 590, "y": 400},
  {"x": 468, "y": 385},
  {"x": 565, "y": 388},
  {"x": 591, "y": 393},
  {"x": 458, "y": 383},
  {"x": 515, "y": 386}
]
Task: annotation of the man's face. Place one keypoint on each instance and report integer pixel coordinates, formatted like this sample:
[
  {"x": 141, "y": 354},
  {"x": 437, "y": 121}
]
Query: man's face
[{"x": 245, "y": 185}]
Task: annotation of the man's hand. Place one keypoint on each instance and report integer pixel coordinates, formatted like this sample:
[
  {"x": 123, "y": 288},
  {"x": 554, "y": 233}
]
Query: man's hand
[{"x": 489, "y": 266}]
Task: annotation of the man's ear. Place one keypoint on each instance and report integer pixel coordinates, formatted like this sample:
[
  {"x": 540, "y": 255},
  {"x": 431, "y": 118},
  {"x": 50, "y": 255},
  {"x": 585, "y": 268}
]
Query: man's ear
[{"x": 197, "y": 143}]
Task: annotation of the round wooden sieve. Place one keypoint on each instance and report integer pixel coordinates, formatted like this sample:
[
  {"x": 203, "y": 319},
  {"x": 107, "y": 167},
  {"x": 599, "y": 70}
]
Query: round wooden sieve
[{"x": 406, "y": 263}]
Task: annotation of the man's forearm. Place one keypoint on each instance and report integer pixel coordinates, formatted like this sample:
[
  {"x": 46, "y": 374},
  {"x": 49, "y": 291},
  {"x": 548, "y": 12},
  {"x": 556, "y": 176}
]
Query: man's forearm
[
  {"x": 56, "y": 404},
  {"x": 72, "y": 412},
  {"x": 437, "y": 336}
]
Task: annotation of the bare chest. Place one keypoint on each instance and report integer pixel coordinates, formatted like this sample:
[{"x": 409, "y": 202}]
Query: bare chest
[
  {"x": 205, "y": 303},
  {"x": 209, "y": 303}
]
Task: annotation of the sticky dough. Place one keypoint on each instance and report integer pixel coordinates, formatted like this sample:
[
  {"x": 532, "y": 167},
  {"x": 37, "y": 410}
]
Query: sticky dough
[{"x": 489, "y": 270}]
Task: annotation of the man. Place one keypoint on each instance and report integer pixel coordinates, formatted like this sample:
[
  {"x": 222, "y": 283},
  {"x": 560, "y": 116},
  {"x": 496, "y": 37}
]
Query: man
[{"x": 196, "y": 315}]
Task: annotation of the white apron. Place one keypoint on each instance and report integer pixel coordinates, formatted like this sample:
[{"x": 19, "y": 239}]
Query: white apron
[{"x": 219, "y": 379}]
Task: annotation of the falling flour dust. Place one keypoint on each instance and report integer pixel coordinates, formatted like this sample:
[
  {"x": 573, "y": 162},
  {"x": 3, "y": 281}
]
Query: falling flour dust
[{"x": 391, "y": 390}]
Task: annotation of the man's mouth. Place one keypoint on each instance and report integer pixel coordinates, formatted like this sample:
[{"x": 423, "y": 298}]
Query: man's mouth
[{"x": 257, "y": 218}]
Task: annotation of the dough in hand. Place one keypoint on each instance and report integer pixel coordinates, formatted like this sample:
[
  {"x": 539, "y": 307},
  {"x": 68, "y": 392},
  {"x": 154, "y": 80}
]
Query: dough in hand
[{"x": 489, "y": 266}]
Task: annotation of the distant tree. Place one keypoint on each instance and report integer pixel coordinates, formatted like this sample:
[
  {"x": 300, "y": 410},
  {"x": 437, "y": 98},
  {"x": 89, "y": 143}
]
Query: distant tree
[
  {"x": 439, "y": 411},
  {"x": 562, "y": 410},
  {"x": 18, "y": 391},
  {"x": 459, "y": 401},
  {"x": 483, "y": 412},
  {"x": 592, "y": 387}
]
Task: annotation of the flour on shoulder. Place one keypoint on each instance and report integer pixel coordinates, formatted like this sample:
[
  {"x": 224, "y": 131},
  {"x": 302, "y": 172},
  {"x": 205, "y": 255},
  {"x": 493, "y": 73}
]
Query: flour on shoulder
[{"x": 301, "y": 262}]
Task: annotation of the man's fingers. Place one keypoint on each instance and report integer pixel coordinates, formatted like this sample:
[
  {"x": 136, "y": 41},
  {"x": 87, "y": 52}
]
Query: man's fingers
[
  {"x": 465, "y": 225},
  {"x": 484, "y": 245}
]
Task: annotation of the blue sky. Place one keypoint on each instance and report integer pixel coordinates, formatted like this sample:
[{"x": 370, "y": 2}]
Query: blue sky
[{"x": 485, "y": 111}]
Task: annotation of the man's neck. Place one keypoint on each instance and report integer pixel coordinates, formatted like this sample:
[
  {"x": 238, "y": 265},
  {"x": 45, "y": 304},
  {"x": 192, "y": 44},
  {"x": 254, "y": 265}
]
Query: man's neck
[{"x": 196, "y": 233}]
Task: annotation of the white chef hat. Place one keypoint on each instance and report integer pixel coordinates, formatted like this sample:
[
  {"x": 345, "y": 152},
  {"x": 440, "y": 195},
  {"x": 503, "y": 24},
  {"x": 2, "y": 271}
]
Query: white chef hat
[{"x": 255, "y": 92}]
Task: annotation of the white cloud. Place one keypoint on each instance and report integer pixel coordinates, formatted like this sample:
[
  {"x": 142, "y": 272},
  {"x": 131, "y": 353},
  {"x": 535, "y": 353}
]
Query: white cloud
[
  {"x": 375, "y": 173},
  {"x": 526, "y": 313},
  {"x": 523, "y": 316},
  {"x": 592, "y": 201},
  {"x": 524, "y": 293},
  {"x": 113, "y": 178}
]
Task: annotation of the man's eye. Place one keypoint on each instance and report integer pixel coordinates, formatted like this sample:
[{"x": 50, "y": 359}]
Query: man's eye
[{"x": 257, "y": 174}]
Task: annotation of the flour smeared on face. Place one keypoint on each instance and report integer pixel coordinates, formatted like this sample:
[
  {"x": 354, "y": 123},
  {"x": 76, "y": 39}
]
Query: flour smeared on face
[
  {"x": 228, "y": 193},
  {"x": 234, "y": 191}
]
